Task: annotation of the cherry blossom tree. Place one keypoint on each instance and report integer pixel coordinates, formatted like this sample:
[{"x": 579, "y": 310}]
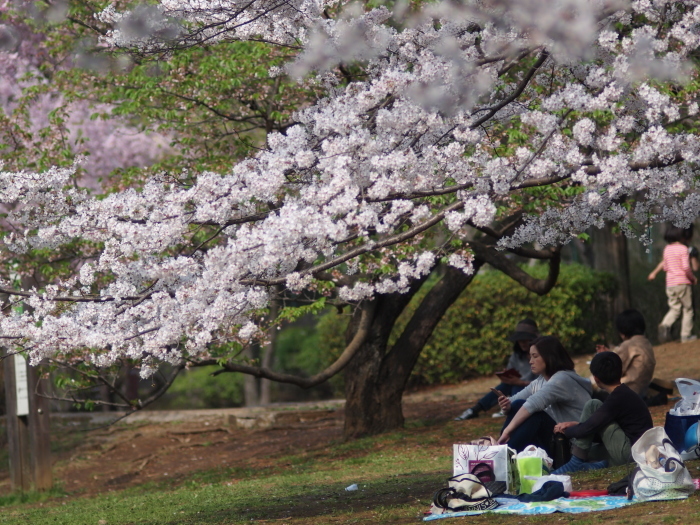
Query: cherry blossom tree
[
  {"x": 451, "y": 134},
  {"x": 41, "y": 125}
]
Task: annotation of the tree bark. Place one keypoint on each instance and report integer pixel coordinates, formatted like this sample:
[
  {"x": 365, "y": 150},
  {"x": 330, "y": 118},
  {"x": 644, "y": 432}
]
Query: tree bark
[
  {"x": 609, "y": 254},
  {"x": 376, "y": 377},
  {"x": 251, "y": 397},
  {"x": 268, "y": 351}
]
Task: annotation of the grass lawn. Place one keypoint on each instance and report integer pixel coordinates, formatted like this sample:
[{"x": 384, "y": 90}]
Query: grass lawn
[{"x": 397, "y": 474}]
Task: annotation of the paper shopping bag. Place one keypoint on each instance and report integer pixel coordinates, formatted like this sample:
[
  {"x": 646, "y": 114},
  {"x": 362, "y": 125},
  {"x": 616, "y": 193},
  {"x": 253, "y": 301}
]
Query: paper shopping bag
[{"x": 487, "y": 462}]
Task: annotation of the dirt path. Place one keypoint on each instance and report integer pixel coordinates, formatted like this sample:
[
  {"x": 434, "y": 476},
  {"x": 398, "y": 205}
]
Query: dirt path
[{"x": 160, "y": 446}]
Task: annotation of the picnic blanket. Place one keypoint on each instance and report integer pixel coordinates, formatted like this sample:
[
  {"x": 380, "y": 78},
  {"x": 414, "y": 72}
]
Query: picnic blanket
[{"x": 568, "y": 505}]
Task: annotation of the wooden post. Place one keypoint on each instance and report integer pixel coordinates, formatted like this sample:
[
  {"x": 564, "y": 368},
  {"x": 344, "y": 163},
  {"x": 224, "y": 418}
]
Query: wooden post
[
  {"x": 27, "y": 426},
  {"x": 16, "y": 390},
  {"x": 39, "y": 440}
]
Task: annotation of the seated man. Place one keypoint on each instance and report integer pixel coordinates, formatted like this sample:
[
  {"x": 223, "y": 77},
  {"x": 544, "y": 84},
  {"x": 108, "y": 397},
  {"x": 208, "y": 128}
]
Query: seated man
[
  {"x": 618, "y": 422},
  {"x": 636, "y": 352}
]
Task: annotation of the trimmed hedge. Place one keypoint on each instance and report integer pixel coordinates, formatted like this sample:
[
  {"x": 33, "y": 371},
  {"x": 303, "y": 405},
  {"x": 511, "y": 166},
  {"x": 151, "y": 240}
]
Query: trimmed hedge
[{"x": 470, "y": 339}]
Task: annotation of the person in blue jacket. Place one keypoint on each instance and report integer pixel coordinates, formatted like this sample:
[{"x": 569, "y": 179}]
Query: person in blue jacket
[{"x": 525, "y": 333}]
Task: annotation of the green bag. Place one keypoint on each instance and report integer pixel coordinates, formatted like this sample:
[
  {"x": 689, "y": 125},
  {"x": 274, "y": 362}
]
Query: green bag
[{"x": 529, "y": 470}]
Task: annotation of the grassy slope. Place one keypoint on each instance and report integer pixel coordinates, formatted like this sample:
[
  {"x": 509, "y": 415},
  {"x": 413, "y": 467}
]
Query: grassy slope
[{"x": 396, "y": 473}]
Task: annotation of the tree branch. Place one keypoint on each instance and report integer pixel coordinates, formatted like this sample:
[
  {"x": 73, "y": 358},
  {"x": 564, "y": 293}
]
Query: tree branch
[
  {"x": 394, "y": 239},
  {"x": 163, "y": 389},
  {"x": 521, "y": 87},
  {"x": 337, "y": 366},
  {"x": 76, "y": 298},
  {"x": 502, "y": 263}
]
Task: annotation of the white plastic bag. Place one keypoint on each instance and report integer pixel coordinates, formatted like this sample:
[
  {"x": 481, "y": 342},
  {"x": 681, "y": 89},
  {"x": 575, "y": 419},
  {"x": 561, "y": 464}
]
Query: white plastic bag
[
  {"x": 689, "y": 405},
  {"x": 565, "y": 480},
  {"x": 661, "y": 474},
  {"x": 531, "y": 451}
]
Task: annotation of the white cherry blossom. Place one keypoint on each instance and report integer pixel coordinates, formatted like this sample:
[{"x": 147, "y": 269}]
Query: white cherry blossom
[{"x": 459, "y": 112}]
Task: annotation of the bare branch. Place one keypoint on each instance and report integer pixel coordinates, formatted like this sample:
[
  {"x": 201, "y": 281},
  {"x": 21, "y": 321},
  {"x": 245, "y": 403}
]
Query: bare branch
[
  {"x": 76, "y": 298},
  {"x": 521, "y": 87},
  {"x": 499, "y": 261},
  {"x": 336, "y": 367},
  {"x": 164, "y": 387}
]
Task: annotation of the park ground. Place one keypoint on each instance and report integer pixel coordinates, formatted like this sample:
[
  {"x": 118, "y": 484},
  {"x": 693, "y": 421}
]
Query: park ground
[{"x": 201, "y": 468}]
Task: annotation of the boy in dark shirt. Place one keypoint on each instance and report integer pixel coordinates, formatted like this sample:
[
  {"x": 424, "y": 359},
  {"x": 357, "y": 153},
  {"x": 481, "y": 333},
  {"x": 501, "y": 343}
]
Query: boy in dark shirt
[{"x": 618, "y": 422}]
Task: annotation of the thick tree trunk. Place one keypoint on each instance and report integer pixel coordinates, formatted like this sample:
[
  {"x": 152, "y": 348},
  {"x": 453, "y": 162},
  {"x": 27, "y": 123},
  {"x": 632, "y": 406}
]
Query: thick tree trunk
[{"x": 376, "y": 378}]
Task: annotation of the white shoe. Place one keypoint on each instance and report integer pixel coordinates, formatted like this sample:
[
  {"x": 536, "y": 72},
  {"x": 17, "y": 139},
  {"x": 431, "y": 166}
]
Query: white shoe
[
  {"x": 689, "y": 339},
  {"x": 498, "y": 414},
  {"x": 469, "y": 413}
]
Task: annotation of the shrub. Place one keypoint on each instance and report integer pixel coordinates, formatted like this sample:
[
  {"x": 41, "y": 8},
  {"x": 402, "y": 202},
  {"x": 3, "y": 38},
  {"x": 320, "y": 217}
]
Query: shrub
[
  {"x": 471, "y": 337},
  {"x": 299, "y": 352},
  {"x": 197, "y": 388}
]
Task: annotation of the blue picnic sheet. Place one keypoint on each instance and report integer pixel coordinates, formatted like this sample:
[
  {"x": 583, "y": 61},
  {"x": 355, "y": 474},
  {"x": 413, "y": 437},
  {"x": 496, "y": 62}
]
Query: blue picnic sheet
[{"x": 568, "y": 505}]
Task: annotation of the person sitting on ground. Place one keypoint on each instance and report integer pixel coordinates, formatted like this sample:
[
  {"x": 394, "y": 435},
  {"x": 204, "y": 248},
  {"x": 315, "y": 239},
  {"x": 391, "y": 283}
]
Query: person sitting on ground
[
  {"x": 618, "y": 422},
  {"x": 558, "y": 395},
  {"x": 636, "y": 352},
  {"x": 525, "y": 333}
]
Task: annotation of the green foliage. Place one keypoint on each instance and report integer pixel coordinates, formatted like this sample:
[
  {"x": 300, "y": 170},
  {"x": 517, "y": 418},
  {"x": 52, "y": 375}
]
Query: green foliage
[
  {"x": 292, "y": 313},
  {"x": 197, "y": 388},
  {"x": 31, "y": 497},
  {"x": 471, "y": 337},
  {"x": 300, "y": 351}
]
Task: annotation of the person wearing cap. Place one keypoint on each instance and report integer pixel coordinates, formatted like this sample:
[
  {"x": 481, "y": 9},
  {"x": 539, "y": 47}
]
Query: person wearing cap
[{"x": 523, "y": 336}]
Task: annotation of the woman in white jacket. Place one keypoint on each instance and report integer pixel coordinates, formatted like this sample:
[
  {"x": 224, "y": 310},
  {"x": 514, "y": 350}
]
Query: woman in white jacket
[{"x": 558, "y": 395}]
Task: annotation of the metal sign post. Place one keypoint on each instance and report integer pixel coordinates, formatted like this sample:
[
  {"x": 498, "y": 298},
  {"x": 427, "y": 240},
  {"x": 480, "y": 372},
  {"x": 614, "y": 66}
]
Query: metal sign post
[{"x": 27, "y": 426}]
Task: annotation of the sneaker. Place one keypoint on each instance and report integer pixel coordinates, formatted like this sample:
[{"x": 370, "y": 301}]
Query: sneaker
[
  {"x": 500, "y": 413},
  {"x": 469, "y": 413},
  {"x": 689, "y": 339},
  {"x": 664, "y": 333},
  {"x": 576, "y": 464}
]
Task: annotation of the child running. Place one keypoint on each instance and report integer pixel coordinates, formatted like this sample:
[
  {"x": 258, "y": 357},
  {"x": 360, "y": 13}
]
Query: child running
[{"x": 679, "y": 278}]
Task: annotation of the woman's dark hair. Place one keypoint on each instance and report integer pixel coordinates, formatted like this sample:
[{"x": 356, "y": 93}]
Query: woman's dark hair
[
  {"x": 607, "y": 367},
  {"x": 688, "y": 233},
  {"x": 630, "y": 323},
  {"x": 554, "y": 354},
  {"x": 673, "y": 234}
]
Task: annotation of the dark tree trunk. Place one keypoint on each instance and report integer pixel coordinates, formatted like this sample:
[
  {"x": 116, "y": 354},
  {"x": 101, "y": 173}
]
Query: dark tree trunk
[
  {"x": 376, "y": 377},
  {"x": 251, "y": 395},
  {"x": 609, "y": 254},
  {"x": 268, "y": 352}
]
